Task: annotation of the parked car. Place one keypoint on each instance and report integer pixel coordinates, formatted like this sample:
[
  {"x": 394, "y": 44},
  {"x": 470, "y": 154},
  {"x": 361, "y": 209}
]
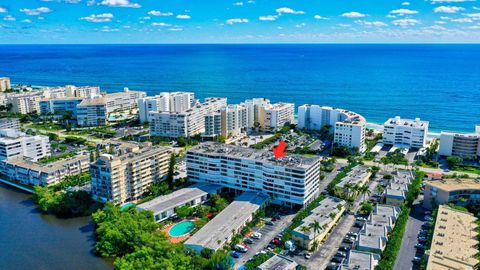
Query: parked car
[
  {"x": 333, "y": 266},
  {"x": 256, "y": 235},
  {"x": 418, "y": 245},
  {"x": 354, "y": 234},
  {"x": 341, "y": 254},
  {"x": 344, "y": 248},
  {"x": 249, "y": 241},
  {"x": 269, "y": 222},
  {"x": 416, "y": 259},
  {"x": 428, "y": 218},
  {"x": 307, "y": 255},
  {"x": 241, "y": 248},
  {"x": 246, "y": 246},
  {"x": 348, "y": 240},
  {"x": 427, "y": 212},
  {"x": 337, "y": 259},
  {"x": 235, "y": 254},
  {"x": 276, "y": 241}
]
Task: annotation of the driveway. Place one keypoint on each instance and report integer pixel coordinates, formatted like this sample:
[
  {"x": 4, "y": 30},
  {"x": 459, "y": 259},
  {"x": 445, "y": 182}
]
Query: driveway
[{"x": 414, "y": 224}]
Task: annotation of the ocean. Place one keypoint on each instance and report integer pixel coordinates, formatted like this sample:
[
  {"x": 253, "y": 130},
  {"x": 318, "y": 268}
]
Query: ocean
[{"x": 438, "y": 83}]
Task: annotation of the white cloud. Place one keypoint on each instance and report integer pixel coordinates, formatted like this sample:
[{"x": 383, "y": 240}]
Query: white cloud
[
  {"x": 318, "y": 17},
  {"x": 175, "y": 29},
  {"x": 238, "y": 4},
  {"x": 353, "y": 14},
  {"x": 344, "y": 25},
  {"x": 447, "y": 9},
  {"x": 26, "y": 21},
  {"x": 462, "y": 20},
  {"x": 64, "y": 1},
  {"x": 3, "y": 10},
  {"x": 36, "y": 11},
  {"x": 159, "y": 13},
  {"x": 108, "y": 29},
  {"x": 371, "y": 23},
  {"x": 405, "y": 22},
  {"x": 403, "y": 11},
  {"x": 406, "y": 4},
  {"x": 286, "y": 10},
  {"x": 301, "y": 25},
  {"x": 440, "y": 22},
  {"x": 90, "y": 2},
  {"x": 120, "y": 3},
  {"x": 98, "y": 18},
  {"x": 9, "y": 18},
  {"x": 145, "y": 18},
  {"x": 268, "y": 18},
  {"x": 236, "y": 20},
  {"x": 183, "y": 16},
  {"x": 474, "y": 16},
  {"x": 450, "y": 1},
  {"x": 161, "y": 24}
]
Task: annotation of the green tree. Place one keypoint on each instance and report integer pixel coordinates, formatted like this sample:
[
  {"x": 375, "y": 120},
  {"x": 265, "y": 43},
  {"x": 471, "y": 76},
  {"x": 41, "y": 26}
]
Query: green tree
[
  {"x": 183, "y": 211},
  {"x": 316, "y": 227},
  {"x": 171, "y": 171},
  {"x": 454, "y": 161}
]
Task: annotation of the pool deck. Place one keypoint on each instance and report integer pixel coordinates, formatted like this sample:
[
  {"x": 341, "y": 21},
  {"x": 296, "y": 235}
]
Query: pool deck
[{"x": 174, "y": 239}]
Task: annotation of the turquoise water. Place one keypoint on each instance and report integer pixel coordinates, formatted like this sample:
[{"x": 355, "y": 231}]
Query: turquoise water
[{"x": 181, "y": 228}]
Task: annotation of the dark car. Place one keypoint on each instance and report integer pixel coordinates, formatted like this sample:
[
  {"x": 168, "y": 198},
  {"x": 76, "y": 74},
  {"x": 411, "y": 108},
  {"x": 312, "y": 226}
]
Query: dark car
[
  {"x": 333, "y": 266},
  {"x": 249, "y": 241},
  {"x": 337, "y": 259},
  {"x": 235, "y": 255},
  {"x": 269, "y": 222},
  {"x": 344, "y": 248}
]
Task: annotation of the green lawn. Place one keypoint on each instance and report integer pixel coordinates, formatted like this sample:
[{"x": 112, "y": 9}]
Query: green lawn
[{"x": 46, "y": 126}]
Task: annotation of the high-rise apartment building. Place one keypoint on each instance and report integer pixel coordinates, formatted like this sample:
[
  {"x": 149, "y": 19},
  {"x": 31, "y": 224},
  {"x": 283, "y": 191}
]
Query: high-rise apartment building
[
  {"x": 14, "y": 143},
  {"x": 165, "y": 102},
  {"x": 4, "y": 84},
  {"x": 465, "y": 145},
  {"x": 405, "y": 133}
]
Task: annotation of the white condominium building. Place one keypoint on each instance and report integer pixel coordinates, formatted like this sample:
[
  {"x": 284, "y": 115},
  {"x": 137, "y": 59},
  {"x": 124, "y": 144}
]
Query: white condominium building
[
  {"x": 123, "y": 101},
  {"x": 92, "y": 112},
  {"x": 25, "y": 102},
  {"x": 14, "y": 143},
  {"x": 165, "y": 102},
  {"x": 127, "y": 176},
  {"x": 53, "y": 92},
  {"x": 406, "y": 133},
  {"x": 186, "y": 123},
  {"x": 82, "y": 91},
  {"x": 466, "y": 145},
  {"x": 290, "y": 181},
  {"x": 278, "y": 114},
  {"x": 32, "y": 173},
  {"x": 66, "y": 105},
  {"x": 348, "y": 127},
  {"x": 4, "y": 84},
  {"x": 10, "y": 123},
  {"x": 230, "y": 121}
]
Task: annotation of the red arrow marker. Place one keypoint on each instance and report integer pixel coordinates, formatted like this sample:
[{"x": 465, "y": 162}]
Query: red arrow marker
[{"x": 279, "y": 151}]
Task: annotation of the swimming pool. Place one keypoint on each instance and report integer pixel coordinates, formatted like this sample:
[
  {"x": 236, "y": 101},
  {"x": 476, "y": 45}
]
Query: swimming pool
[{"x": 181, "y": 228}]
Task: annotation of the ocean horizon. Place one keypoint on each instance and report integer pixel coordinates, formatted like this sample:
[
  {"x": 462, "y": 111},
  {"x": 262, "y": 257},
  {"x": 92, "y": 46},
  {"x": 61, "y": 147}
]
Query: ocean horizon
[{"x": 439, "y": 83}]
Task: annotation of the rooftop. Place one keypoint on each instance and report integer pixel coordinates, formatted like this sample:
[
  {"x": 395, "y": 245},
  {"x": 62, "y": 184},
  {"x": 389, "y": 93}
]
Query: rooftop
[
  {"x": 454, "y": 241},
  {"x": 49, "y": 167},
  {"x": 361, "y": 260},
  {"x": 219, "y": 230},
  {"x": 454, "y": 184},
  {"x": 278, "y": 262},
  {"x": 375, "y": 242},
  {"x": 349, "y": 116},
  {"x": 355, "y": 176},
  {"x": 179, "y": 197},
  {"x": 258, "y": 155},
  {"x": 92, "y": 101},
  {"x": 414, "y": 123}
]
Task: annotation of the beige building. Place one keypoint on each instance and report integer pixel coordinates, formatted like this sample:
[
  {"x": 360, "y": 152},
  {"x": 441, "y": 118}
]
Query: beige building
[
  {"x": 123, "y": 101},
  {"x": 127, "y": 175},
  {"x": 4, "y": 84},
  {"x": 25, "y": 102},
  {"x": 32, "y": 173},
  {"x": 466, "y": 191},
  {"x": 454, "y": 241}
]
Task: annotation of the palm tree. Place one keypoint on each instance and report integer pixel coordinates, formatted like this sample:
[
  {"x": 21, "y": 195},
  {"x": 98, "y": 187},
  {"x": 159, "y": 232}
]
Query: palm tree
[
  {"x": 316, "y": 227},
  {"x": 364, "y": 190},
  {"x": 305, "y": 229}
]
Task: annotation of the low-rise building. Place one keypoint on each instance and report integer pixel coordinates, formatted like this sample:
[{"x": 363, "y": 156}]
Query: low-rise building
[
  {"x": 186, "y": 123},
  {"x": 61, "y": 106},
  {"x": 10, "y": 123},
  {"x": 123, "y": 101},
  {"x": 14, "y": 143},
  {"x": 462, "y": 191},
  {"x": 278, "y": 262},
  {"x": 5, "y": 84},
  {"x": 32, "y": 173},
  {"x": 126, "y": 176},
  {"x": 163, "y": 207},
  {"x": 405, "y": 133},
  {"x": 327, "y": 214},
  {"x": 290, "y": 181},
  {"x": 360, "y": 260},
  {"x": 220, "y": 230},
  {"x": 92, "y": 112},
  {"x": 465, "y": 145},
  {"x": 454, "y": 243}
]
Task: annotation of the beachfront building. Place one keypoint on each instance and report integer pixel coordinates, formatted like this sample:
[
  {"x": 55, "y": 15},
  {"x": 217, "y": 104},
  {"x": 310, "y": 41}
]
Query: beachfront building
[
  {"x": 360, "y": 260},
  {"x": 25, "y": 102},
  {"x": 459, "y": 191},
  {"x": 82, "y": 91},
  {"x": 61, "y": 106},
  {"x": 465, "y": 145},
  {"x": 126, "y": 176},
  {"x": 255, "y": 113},
  {"x": 454, "y": 243},
  {"x": 327, "y": 214},
  {"x": 277, "y": 115},
  {"x": 230, "y": 121},
  {"x": 10, "y": 123},
  {"x": 53, "y": 92},
  {"x": 405, "y": 133},
  {"x": 92, "y": 112},
  {"x": 163, "y": 207},
  {"x": 5, "y": 84},
  {"x": 123, "y": 101},
  {"x": 213, "y": 125},
  {"x": 220, "y": 230},
  {"x": 290, "y": 181},
  {"x": 278, "y": 262},
  {"x": 25, "y": 171},
  {"x": 165, "y": 102},
  {"x": 348, "y": 127},
  {"x": 14, "y": 143},
  {"x": 186, "y": 123}
]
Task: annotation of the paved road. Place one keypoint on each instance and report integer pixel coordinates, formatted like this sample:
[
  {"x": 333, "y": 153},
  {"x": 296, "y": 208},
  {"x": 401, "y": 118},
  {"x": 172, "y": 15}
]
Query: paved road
[
  {"x": 414, "y": 224},
  {"x": 268, "y": 233}
]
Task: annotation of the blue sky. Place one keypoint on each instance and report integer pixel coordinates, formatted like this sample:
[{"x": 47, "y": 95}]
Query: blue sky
[{"x": 239, "y": 21}]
